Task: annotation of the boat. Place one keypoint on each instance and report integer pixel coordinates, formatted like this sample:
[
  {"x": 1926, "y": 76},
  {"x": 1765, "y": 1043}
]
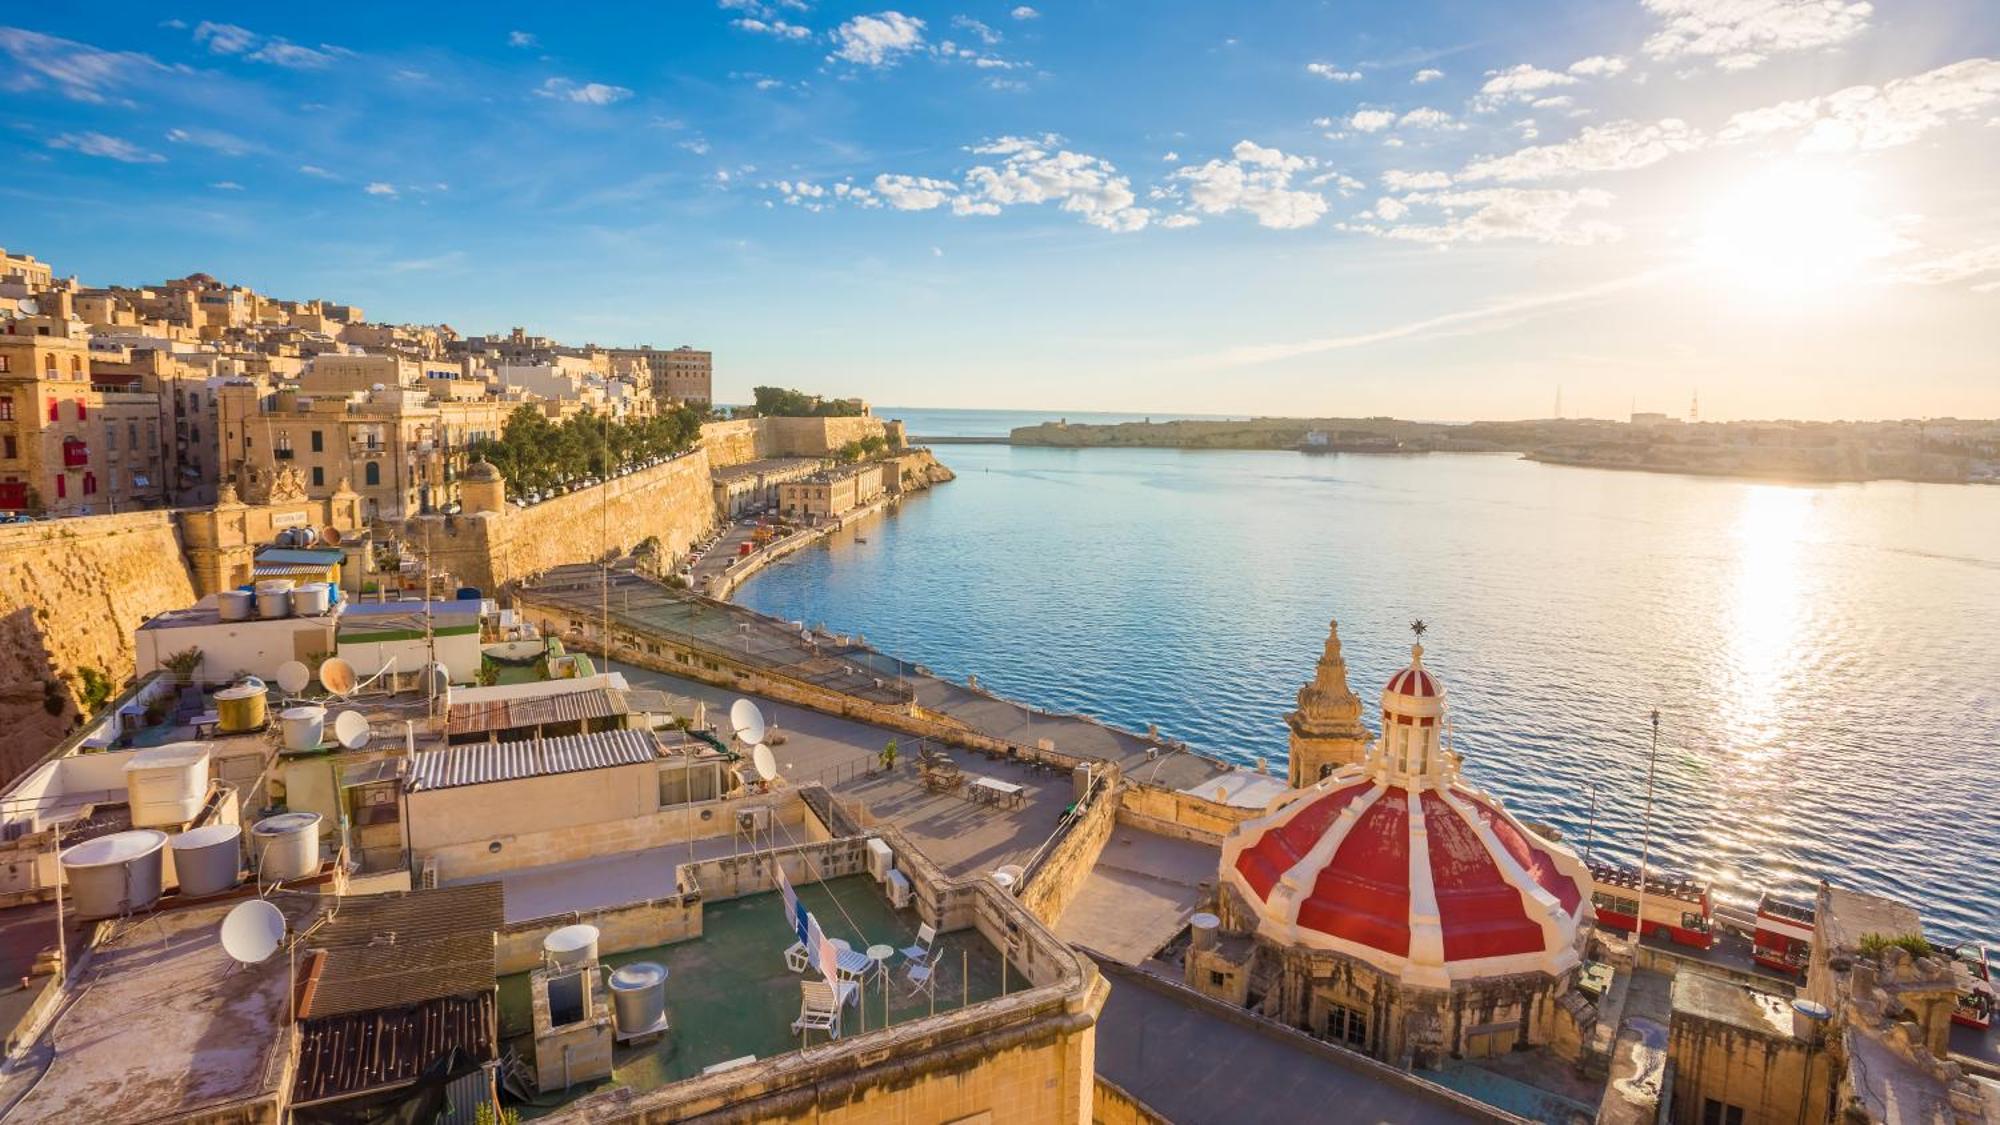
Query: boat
[
  {"x": 1976, "y": 1003},
  {"x": 1678, "y": 909},
  {"x": 1783, "y": 938}
]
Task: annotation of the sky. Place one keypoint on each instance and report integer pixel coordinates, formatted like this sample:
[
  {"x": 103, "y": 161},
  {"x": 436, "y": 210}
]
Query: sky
[{"x": 1446, "y": 210}]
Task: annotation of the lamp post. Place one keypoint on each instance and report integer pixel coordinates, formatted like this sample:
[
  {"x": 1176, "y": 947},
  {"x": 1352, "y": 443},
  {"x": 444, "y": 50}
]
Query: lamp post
[{"x": 1646, "y": 831}]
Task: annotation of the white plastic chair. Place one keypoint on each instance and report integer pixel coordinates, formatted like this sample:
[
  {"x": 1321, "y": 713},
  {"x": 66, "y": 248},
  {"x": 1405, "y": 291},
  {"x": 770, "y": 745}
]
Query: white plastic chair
[
  {"x": 795, "y": 958},
  {"x": 921, "y": 952},
  {"x": 820, "y": 1005}
]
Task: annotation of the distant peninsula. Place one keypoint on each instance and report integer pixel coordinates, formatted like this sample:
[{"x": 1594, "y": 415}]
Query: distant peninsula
[{"x": 1941, "y": 450}]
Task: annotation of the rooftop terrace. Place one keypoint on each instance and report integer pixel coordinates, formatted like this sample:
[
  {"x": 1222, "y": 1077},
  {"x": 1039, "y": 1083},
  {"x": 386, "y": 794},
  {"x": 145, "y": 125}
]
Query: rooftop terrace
[{"x": 729, "y": 993}]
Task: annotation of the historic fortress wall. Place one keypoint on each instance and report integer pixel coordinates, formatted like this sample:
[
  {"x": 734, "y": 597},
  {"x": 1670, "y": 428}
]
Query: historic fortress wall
[
  {"x": 71, "y": 593},
  {"x": 733, "y": 443}
]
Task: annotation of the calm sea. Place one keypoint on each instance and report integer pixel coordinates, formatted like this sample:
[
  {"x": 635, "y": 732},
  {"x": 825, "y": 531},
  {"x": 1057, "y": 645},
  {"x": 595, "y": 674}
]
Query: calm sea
[{"x": 1822, "y": 657}]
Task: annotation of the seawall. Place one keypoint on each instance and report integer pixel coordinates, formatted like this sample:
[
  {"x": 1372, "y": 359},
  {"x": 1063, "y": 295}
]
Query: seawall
[{"x": 71, "y": 593}]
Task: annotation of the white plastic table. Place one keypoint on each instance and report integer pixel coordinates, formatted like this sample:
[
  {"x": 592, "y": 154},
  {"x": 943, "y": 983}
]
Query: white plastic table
[
  {"x": 1000, "y": 792},
  {"x": 880, "y": 954}
]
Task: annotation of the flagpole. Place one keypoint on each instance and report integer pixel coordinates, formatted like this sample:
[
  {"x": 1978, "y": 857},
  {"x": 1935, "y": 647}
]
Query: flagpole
[{"x": 1646, "y": 830}]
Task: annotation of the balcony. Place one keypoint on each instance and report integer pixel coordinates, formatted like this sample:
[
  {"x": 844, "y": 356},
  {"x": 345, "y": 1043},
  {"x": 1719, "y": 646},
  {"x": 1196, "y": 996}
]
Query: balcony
[{"x": 283, "y": 453}]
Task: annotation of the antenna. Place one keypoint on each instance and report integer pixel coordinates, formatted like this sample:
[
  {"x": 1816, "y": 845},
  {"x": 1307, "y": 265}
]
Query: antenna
[
  {"x": 337, "y": 676},
  {"x": 763, "y": 763},
  {"x": 1694, "y": 407},
  {"x": 293, "y": 676},
  {"x": 350, "y": 729},
  {"x": 252, "y": 932},
  {"x": 747, "y": 721}
]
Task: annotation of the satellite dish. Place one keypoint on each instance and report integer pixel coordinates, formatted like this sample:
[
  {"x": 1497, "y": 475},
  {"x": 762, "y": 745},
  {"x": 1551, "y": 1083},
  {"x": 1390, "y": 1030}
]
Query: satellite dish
[
  {"x": 330, "y": 535},
  {"x": 30, "y": 307},
  {"x": 437, "y": 681},
  {"x": 252, "y": 931},
  {"x": 350, "y": 729},
  {"x": 293, "y": 677},
  {"x": 337, "y": 676},
  {"x": 763, "y": 763},
  {"x": 748, "y": 721}
]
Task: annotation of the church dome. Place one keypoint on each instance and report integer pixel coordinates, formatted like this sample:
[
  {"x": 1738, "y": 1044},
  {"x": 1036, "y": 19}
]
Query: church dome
[
  {"x": 480, "y": 470},
  {"x": 1398, "y": 862}
]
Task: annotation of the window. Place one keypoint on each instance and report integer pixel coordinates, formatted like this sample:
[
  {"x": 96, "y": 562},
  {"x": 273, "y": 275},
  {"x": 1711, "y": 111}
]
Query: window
[
  {"x": 318, "y": 442},
  {"x": 90, "y": 484},
  {"x": 49, "y": 365},
  {"x": 53, "y": 416},
  {"x": 82, "y": 411},
  {"x": 319, "y": 476},
  {"x": 1719, "y": 1113},
  {"x": 1346, "y": 1025},
  {"x": 3, "y": 365},
  {"x": 1217, "y": 980},
  {"x": 111, "y": 439},
  {"x": 372, "y": 475},
  {"x": 76, "y": 366},
  {"x": 132, "y": 435},
  {"x": 6, "y": 401},
  {"x": 8, "y": 449},
  {"x": 62, "y": 486}
]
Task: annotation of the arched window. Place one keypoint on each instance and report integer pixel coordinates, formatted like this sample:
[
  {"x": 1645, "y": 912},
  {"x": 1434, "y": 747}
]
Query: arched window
[
  {"x": 49, "y": 364},
  {"x": 372, "y": 475},
  {"x": 76, "y": 366}
]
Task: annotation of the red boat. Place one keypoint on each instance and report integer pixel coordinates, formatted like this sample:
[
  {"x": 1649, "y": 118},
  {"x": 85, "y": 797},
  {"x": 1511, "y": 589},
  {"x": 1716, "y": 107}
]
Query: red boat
[
  {"x": 1783, "y": 939},
  {"x": 1677, "y": 909},
  {"x": 1976, "y": 1004}
]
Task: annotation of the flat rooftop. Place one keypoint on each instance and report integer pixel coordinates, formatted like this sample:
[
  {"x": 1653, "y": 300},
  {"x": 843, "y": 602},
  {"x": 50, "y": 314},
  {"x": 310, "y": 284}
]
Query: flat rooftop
[
  {"x": 167, "y": 1026},
  {"x": 1717, "y": 1000},
  {"x": 1139, "y": 895},
  {"x": 729, "y": 993}
]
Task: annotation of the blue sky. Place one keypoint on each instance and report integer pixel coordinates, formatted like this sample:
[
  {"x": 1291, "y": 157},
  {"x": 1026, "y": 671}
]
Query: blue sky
[{"x": 1440, "y": 210}]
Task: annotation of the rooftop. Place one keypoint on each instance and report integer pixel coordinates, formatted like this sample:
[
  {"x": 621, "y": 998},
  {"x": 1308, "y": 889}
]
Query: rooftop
[
  {"x": 729, "y": 993},
  {"x": 486, "y": 762},
  {"x": 1720, "y": 1000}
]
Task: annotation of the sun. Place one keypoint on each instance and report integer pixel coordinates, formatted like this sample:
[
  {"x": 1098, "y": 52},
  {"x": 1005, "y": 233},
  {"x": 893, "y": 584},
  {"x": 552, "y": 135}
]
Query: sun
[{"x": 1793, "y": 231}]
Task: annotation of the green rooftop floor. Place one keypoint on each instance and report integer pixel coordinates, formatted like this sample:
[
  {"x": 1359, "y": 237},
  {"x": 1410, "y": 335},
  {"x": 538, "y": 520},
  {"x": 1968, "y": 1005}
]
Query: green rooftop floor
[{"x": 729, "y": 993}]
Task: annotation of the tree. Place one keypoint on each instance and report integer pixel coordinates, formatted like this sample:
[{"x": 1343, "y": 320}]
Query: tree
[{"x": 784, "y": 402}]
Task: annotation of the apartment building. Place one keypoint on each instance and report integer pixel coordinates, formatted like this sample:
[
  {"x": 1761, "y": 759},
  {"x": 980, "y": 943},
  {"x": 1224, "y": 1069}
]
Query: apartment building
[{"x": 69, "y": 446}]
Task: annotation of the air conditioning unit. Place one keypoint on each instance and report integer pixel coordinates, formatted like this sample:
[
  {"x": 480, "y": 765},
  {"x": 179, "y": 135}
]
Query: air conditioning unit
[
  {"x": 881, "y": 860},
  {"x": 754, "y": 819},
  {"x": 899, "y": 890}
]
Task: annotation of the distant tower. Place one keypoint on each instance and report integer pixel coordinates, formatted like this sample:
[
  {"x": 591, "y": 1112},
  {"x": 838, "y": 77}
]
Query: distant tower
[
  {"x": 1326, "y": 729},
  {"x": 1694, "y": 407},
  {"x": 1559, "y": 401}
]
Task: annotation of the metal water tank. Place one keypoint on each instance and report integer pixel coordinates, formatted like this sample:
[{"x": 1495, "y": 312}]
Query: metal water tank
[
  {"x": 286, "y": 846},
  {"x": 240, "y": 707},
  {"x": 305, "y": 727},
  {"x": 639, "y": 998},
  {"x": 116, "y": 874},
  {"x": 310, "y": 599},
  {"x": 235, "y": 605},
  {"x": 167, "y": 784},
  {"x": 274, "y": 597},
  {"x": 571, "y": 945},
  {"x": 208, "y": 860}
]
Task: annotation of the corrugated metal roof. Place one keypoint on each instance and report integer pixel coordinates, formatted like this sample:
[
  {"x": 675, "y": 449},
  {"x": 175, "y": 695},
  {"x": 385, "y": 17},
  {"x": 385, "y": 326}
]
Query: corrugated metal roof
[
  {"x": 533, "y": 710},
  {"x": 485, "y": 763},
  {"x": 324, "y": 556},
  {"x": 402, "y": 948},
  {"x": 290, "y": 570}
]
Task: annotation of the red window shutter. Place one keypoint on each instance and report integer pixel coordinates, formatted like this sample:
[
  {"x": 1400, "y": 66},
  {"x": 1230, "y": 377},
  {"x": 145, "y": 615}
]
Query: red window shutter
[{"x": 62, "y": 486}]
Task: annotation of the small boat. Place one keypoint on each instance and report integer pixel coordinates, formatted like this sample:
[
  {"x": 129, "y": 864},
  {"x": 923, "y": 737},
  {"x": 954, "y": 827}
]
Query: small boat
[
  {"x": 861, "y": 539},
  {"x": 1977, "y": 1002}
]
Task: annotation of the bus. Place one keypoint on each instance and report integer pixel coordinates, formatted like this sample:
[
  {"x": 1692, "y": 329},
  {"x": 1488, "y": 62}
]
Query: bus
[{"x": 1677, "y": 909}]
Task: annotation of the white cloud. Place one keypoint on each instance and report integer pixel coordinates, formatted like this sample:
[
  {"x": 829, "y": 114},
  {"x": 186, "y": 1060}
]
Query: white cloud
[
  {"x": 1179, "y": 221},
  {"x": 521, "y": 39},
  {"x": 108, "y": 147},
  {"x": 1332, "y": 73},
  {"x": 986, "y": 34},
  {"x": 1969, "y": 264},
  {"x": 229, "y": 39},
  {"x": 1521, "y": 80},
  {"x": 1371, "y": 120},
  {"x": 878, "y": 40},
  {"x": 1872, "y": 117},
  {"x": 1397, "y": 180},
  {"x": 586, "y": 93},
  {"x": 1615, "y": 147},
  {"x": 1739, "y": 34},
  {"x": 1548, "y": 215},
  {"x": 1171, "y": 156},
  {"x": 1257, "y": 181},
  {"x": 317, "y": 171},
  {"x": 380, "y": 188},
  {"x": 1599, "y": 66},
  {"x": 914, "y": 193},
  {"x": 1025, "y": 13},
  {"x": 1428, "y": 74},
  {"x": 78, "y": 71},
  {"x": 776, "y": 27},
  {"x": 1389, "y": 209},
  {"x": 1035, "y": 170},
  {"x": 225, "y": 143},
  {"x": 1424, "y": 117}
]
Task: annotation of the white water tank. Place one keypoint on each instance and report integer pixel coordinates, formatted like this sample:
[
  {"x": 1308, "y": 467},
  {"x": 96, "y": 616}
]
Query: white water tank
[
  {"x": 639, "y": 998},
  {"x": 167, "y": 784},
  {"x": 571, "y": 945},
  {"x": 274, "y": 597},
  {"x": 286, "y": 846},
  {"x": 310, "y": 600},
  {"x": 208, "y": 860},
  {"x": 114, "y": 875},
  {"x": 305, "y": 726},
  {"x": 235, "y": 605}
]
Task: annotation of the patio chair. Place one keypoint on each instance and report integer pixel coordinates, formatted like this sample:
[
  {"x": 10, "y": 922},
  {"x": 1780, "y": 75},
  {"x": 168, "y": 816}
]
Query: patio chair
[
  {"x": 820, "y": 1005},
  {"x": 922, "y": 978},
  {"x": 921, "y": 952},
  {"x": 795, "y": 958}
]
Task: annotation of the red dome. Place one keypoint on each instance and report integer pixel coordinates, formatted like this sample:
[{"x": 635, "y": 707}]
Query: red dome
[{"x": 1415, "y": 682}]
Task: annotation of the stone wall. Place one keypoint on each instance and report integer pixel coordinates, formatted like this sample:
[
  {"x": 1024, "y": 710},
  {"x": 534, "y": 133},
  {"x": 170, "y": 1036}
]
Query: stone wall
[
  {"x": 733, "y": 443},
  {"x": 674, "y": 503},
  {"x": 1113, "y": 1106},
  {"x": 71, "y": 593},
  {"x": 816, "y": 437},
  {"x": 1056, "y": 875},
  {"x": 1166, "y": 812}
]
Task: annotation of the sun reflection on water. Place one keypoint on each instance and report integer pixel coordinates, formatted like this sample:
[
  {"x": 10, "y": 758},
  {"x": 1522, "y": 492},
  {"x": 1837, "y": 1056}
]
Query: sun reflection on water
[{"x": 1766, "y": 631}]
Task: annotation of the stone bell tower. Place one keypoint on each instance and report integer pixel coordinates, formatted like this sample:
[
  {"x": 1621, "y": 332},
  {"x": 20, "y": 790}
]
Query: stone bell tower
[{"x": 1326, "y": 729}]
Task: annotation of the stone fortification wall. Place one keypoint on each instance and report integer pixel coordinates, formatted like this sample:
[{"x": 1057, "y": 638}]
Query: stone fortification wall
[
  {"x": 733, "y": 443},
  {"x": 747, "y": 439},
  {"x": 674, "y": 503},
  {"x": 71, "y": 593},
  {"x": 1056, "y": 875}
]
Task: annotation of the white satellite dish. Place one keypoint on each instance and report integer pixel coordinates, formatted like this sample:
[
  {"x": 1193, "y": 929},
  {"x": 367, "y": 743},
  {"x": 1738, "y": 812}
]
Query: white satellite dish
[
  {"x": 437, "y": 680},
  {"x": 337, "y": 676},
  {"x": 761, "y": 760},
  {"x": 293, "y": 677},
  {"x": 29, "y": 306},
  {"x": 350, "y": 729},
  {"x": 252, "y": 931},
  {"x": 748, "y": 721}
]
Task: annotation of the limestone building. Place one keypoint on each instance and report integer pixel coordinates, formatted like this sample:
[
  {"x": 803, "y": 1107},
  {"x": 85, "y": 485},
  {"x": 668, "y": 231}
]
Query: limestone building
[
  {"x": 1326, "y": 729},
  {"x": 1396, "y": 909},
  {"x": 69, "y": 446}
]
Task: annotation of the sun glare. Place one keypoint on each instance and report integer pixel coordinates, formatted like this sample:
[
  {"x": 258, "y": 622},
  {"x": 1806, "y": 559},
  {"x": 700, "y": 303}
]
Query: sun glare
[{"x": 1793, "y": 231}]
